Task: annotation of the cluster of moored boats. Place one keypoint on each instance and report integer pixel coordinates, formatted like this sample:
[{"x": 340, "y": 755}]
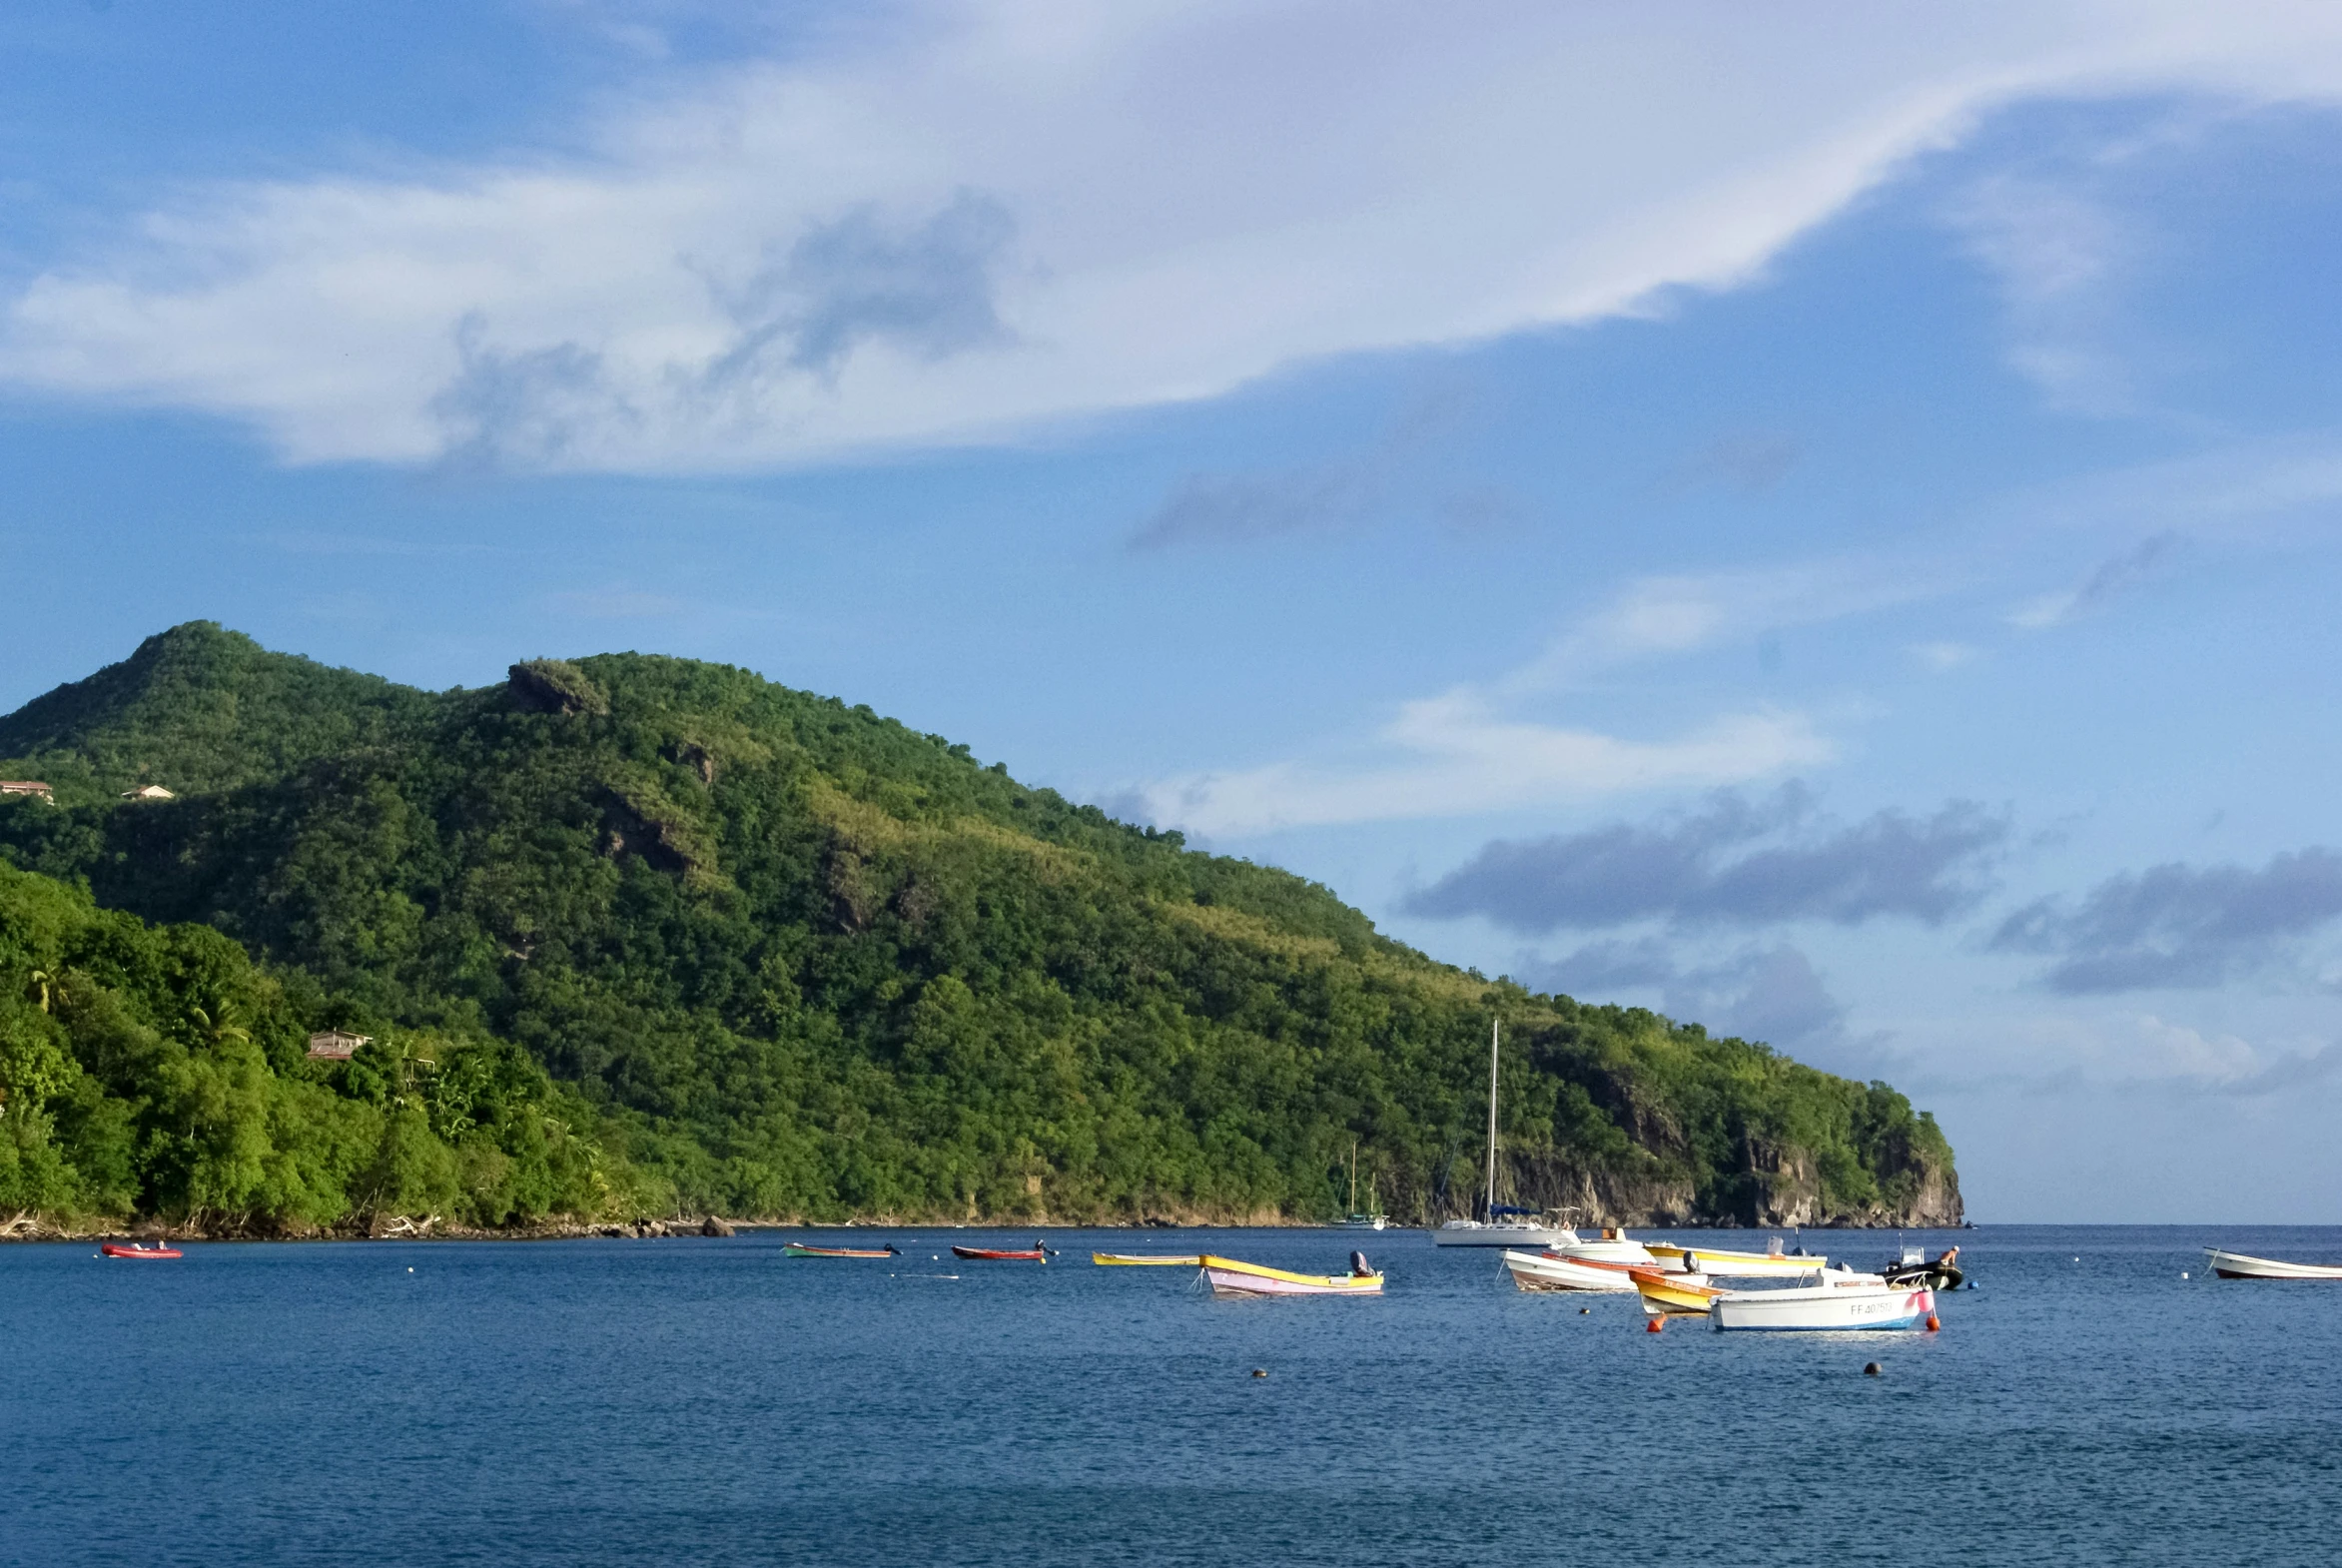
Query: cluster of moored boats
[{"x": 1685, "y": 1282}]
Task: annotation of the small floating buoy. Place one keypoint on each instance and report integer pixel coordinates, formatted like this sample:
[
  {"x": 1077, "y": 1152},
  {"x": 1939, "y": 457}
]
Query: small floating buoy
[
  {"x": 1932, "y": 1324},
  {"x": 1583, "y": 1310},
  {"x": 1260, "y": 1371},
  {"x": 2078, "y": 1259},
  {"x": 1872, "y": 1369},
  {"x": 1654, "y": 1325},
  {"x": 410, "y": 1270},
  {"x": 2183, "y": 1274}
]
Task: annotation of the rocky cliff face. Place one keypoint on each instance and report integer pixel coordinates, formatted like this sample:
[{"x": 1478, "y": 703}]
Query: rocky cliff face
[{"x": 1773, "y": 1187}]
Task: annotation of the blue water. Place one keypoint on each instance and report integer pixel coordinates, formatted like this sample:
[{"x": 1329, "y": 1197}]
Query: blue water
[{"x": 708, "y": 1403}]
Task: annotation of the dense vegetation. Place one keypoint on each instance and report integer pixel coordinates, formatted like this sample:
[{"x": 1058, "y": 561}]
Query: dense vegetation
[
  {"x": 795, "y": 959},
  {"x": 157, "y": 1071}
]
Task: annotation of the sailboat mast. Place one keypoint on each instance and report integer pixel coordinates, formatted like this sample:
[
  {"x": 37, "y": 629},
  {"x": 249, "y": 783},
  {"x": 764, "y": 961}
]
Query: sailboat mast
[{"x": 1489, "y": 1212}]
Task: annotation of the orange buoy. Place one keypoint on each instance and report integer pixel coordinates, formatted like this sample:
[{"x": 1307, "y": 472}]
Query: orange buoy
[
  {"x": 1654, "y": 1325},
  {"x": 1932, "y": 1326}
]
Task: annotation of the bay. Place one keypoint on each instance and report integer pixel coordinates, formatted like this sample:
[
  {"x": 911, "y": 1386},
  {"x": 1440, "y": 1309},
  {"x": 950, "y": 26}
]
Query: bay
[{"x": 707, "y": 1401}]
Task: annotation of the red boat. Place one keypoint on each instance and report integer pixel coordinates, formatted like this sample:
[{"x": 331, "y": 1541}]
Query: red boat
[
  {"x": 117, "y": 1250},
  {"x": 1037, "y": 1255}
]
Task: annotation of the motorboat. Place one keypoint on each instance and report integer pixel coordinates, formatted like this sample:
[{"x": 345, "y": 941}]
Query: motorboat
[
  {"x": 1613, "y": 1245},
  {"x": 2242, "y": 1265},
  {"x": 1843, "y": 1300},
  {"x": 1941, "y": 1273},
  {"x": 1036, "y": 1254},
  {"x": 133, "y": 1249},
  {"x": 1775, "y": 1262},
  {"x": 1146, "y": 1260},
  {"x": 800, "y": 1250},
  {"x": 1555, "y": 1270},
  {"x": 1230, "y": 1277},
  {"x": 1673, "y": 1294}
]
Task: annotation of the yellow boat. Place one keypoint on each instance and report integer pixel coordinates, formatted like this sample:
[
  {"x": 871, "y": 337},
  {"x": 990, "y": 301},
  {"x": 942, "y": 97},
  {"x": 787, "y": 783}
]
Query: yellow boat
[
  {"x": 1144, "y": 1259},
  {"x": 1665, "y": 1295},
  {"x": 1772, "y": 1264},
  {"x": 1230, "y": 1277}
]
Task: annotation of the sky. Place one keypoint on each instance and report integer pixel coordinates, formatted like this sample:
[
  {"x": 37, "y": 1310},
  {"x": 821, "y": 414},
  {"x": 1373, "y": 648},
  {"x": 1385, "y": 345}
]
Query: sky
[{"x": 1819, "y": 520}]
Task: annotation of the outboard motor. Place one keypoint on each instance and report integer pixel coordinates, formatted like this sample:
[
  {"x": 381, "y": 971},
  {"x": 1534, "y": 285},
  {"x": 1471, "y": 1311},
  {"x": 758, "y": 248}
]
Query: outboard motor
[{"x": 1359, "y": 1268}]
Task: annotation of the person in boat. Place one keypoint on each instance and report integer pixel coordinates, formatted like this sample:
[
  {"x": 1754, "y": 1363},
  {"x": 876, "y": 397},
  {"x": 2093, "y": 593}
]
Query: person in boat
[{"x": 1359, "y": 1268}]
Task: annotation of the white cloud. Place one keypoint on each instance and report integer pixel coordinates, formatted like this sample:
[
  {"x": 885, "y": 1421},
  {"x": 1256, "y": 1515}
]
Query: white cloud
[
  {"x": 1944, "y": 656},
  {"x": 963, "y": 221},
  {"x": 1455, "y": 756}
]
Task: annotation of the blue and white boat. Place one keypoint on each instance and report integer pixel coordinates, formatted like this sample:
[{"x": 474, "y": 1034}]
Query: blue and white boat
[{"x": 1841, "y": 1302}]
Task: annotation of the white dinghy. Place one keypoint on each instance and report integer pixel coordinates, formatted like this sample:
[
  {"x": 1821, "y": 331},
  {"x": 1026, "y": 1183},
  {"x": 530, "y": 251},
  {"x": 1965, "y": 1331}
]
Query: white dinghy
[
  {"x": 1843, "y": 1300},
  {"x": 1558, "y": 1271},
  {"x": 2240, "y": 1265}
]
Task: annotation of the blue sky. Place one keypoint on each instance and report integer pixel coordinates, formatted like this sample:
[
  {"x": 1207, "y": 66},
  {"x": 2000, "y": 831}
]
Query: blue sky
[{"x": 1825, "y": 527}]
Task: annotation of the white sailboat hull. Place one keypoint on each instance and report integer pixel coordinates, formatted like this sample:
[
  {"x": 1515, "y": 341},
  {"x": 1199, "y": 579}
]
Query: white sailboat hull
[
  {"x": 1616, "y": 1251},
  {"x": 2241, "y": 1266},
  {"x": 1473, "y": 1232}
]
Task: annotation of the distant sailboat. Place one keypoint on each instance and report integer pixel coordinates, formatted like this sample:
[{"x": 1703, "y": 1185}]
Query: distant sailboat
[
  {"x": 1356, "y": 1221},
  {"x": 1500, "y": 1226}
]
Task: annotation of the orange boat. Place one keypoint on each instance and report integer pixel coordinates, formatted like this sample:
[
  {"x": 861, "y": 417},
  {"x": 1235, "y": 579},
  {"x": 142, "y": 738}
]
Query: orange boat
[{"x": 118, "y": 1249}]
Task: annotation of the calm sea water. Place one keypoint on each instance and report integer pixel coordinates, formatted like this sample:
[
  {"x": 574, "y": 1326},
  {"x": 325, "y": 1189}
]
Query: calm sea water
[{"x": 706, "y": 1401}]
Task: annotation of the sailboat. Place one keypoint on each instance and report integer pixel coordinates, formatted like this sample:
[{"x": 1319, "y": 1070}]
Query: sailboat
[
  {"x": 1500, "y": 1224},
  {"x": 1356, "y": 1221}
]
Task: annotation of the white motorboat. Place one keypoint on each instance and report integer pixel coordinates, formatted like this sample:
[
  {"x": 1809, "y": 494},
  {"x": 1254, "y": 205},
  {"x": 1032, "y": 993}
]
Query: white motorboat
[
  {"x": 1559, "y": 1271},
  {"x": 1611, "y": 1247},
  {"x": 1843, "y": 1300},
  {"x": 2242, "y": 1265},
  {"x": 1503, "y": 1226}
]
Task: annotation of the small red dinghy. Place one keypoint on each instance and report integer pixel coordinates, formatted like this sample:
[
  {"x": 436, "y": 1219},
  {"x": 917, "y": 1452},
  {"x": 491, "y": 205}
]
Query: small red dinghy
[
  {"x": 117, "y": 1250},
  {"x": 1038, "y": 1254}
]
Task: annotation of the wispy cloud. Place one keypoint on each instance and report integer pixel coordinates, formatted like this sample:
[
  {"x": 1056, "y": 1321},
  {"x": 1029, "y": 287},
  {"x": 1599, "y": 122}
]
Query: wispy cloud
[
  {"x": 966, "y": 220},
  {"x": 1455, "y": 756},
  {"x": 2178, "y": 926},
  {"x": 1735, "y": 861}
]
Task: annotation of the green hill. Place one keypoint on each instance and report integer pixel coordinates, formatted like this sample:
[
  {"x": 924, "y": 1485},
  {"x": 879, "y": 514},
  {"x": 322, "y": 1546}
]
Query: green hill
[{"x": 802, "y": 960}]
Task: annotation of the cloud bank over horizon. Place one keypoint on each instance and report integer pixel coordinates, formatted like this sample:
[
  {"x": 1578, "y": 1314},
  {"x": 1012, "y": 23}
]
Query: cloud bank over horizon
[{"x": 969, "y": 223}]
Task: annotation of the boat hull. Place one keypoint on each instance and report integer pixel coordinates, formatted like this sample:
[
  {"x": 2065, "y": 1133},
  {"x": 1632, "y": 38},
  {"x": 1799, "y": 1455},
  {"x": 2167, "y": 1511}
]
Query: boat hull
[
  {"x": 1470, "y": 1232},
  {"x": 1229, "y": 1277},
  {"x": 2242, "y": 1265},
  {"x": 1545, "y": 1271},
  {"x": 800, "y": 1250},
  {"x": 114, "y": 1249},
  {"x": 1738, "y": 1266},
  {"x": 1841, "y": 1308},
  {"x": 1145, "y": 1261},
  {"x": 1673, "y": 1295},
  {"x": 992, "y": 1254}
]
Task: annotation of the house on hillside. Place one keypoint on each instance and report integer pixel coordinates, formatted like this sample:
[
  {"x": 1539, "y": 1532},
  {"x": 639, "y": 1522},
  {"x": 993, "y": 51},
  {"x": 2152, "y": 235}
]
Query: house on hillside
[
  {"x": 147, "y": 792},
  {"x": 334, "y": 1045},
  {"x": 27, "y": 787}
]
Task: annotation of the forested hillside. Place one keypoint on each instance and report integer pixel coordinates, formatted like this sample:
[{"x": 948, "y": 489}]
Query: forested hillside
[{"x": 801, "y": 960}]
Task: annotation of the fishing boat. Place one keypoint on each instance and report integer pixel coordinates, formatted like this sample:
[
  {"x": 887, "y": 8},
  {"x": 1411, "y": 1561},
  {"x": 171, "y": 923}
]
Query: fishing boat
[
  {"x": 1916, "y": 1267},
  {"x": 1772, "y": 1264},
  {"x": 1146, "y": 1260},
  {"x": 1500, "y": 1224},
  {"x": 1843, "y": 1300},
  {"x": 2242, "y": 1265},
  {"x": 1673, "y": 1295},
  {"x": 1613, "y": 1245},
  {"x": 1552, "y": 1270},
  {"x": 1036, "y": 1253},
  {"x": 1230, "y": 1277},
  {"x": 800, "y": 1250},
  {"x": 133, "y": 1249}
]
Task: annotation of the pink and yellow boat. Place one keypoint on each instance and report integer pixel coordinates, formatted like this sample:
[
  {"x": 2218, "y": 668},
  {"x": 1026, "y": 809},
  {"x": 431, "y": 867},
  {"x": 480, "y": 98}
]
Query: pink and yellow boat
[{"x": 1230, "y": 1277}]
